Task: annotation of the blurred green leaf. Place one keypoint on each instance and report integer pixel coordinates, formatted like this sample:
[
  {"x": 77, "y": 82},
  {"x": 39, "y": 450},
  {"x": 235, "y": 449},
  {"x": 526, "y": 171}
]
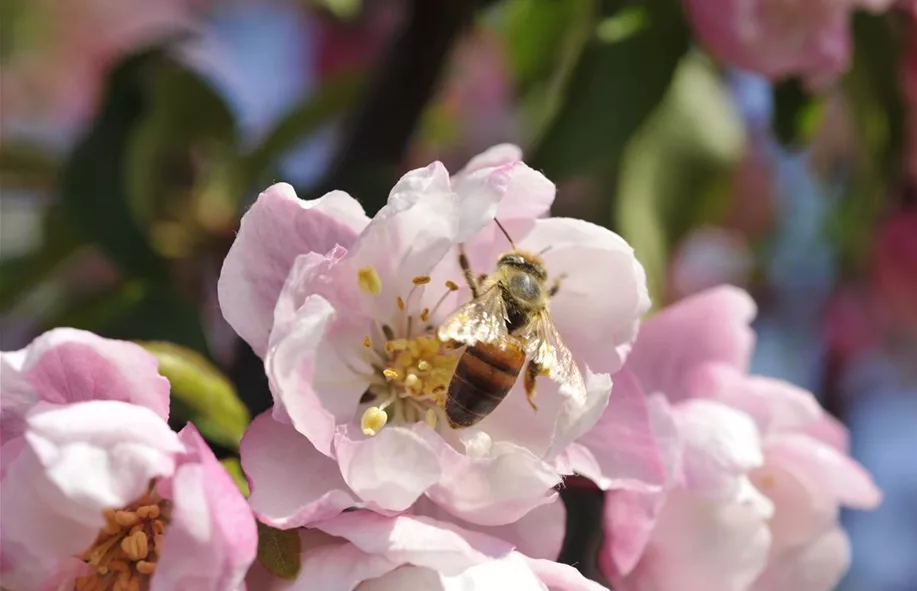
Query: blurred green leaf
[
  {"x": 21, "y": 274},
  {"x": 234, "y": 469},
  {"x": 342, "y": 9},
  {"x": 671, "y": 172},
  {"x": 204, "y": 389},
  {"x": 92, "y": 183},
  {"x": 626, "y": 23},
  {"x": 186, "y": 126},
  {"x": 797, "y": 113},
  {"x": 278, "y": 551},
  {"x": 307, "y": 117},
  {"x": 613, "y": 89}
]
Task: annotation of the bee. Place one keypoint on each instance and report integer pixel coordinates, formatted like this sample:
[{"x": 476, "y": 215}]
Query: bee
[{"x": 506, "y": 321}]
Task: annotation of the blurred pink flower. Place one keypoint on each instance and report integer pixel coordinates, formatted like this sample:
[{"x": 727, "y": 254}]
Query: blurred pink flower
[
  {"x": 54, "y": 76},
  {"x": 331, "y": 299},
  {"x": 372, "y": 552},
  {"x": 97, "y": 490},
  {"x": 780, "y": 38},
  {"x": 757, "y": 470},
  {"x": 707, "y": 257},
  {"x": 894, "y": 271}
]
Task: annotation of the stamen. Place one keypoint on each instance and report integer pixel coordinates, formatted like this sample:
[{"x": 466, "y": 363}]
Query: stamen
[
  {"x": 421, "y": 280},
  {"x": 368, "y": 280},
  {"x": 452, "y": 285},
  {"x": 425, "y": 315},
  {"x": 373, "y": 420},
  {"x": 400, "y": 303},
  {"x": 367, "y": 342},
  {"x": 388, "y": 332},
  {"x": 423, "y": 365},
  {"x": 430, "y": 418},
  {"x": 389, "y": 373}
]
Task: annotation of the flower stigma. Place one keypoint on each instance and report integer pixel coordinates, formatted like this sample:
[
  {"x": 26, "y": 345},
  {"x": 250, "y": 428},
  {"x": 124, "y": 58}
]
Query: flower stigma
[
  {"x": 413, "y": 370},
  {"x": 124, "y": 555}
]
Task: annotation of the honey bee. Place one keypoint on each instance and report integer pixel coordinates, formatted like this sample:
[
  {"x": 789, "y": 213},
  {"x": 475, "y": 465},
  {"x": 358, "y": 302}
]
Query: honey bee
[{"x": 506, "y": 321}]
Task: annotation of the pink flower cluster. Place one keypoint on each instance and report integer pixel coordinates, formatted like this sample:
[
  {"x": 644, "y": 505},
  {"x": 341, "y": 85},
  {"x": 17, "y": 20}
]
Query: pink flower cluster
[
  {"x": 810, "y": 39},
  {"x": 714, "y": 479}
]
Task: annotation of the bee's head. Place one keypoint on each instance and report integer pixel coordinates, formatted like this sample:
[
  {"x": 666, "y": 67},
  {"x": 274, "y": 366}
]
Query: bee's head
[{"x": 524, "y": 261}]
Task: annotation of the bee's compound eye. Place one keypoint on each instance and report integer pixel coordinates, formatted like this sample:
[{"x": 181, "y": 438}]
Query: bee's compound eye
[{"x": 524, "y": 287}]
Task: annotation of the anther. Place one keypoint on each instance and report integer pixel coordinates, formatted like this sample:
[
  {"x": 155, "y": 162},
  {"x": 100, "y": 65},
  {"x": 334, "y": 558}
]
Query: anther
[
  {"x": 412, "y": 382},
  {"x": 421, "y": 280},
  {"x": 400, "y": 303},
  {"x": 389, "y": 373},
  {"x": 369, "y": 281},
  {"x": 367, "y": 342},
  {"x": 425, "y": 315},
  {"x": 452, "y": 285},
  {"x": 146, "y": 568},
  {"x": 136, "y": 546},
  {"x": 373, "y": 420},
  {"x": 423, "y": 365},
  {"x": 125, "y": 518}
]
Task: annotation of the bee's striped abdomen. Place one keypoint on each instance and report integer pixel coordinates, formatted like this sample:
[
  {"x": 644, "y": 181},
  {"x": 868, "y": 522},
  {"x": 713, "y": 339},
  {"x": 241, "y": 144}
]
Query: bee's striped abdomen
[{"x": 484, "y": 376}]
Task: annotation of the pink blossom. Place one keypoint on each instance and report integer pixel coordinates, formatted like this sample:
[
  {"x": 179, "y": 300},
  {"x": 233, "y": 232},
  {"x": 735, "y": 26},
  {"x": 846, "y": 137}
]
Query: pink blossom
[
  {"x": 368, "y": 551},
  {"x": 88, "y": 457},
  {"x": 57, "y": 74},
  {"x": 780, "y": 38},
  {"x": 330, "y": 299},
  {"x": 757, "y": 470}
]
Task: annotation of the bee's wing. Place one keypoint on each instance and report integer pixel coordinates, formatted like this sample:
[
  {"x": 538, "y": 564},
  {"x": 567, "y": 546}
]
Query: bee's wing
[
  {"x": 545, "y": 347},
  {"x": 481, "y": 319}
]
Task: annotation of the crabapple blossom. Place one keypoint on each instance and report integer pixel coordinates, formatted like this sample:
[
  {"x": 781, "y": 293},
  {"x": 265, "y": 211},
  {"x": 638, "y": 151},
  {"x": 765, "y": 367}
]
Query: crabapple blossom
[
  {"x": 371, "y": 552},
  {"x": 757, "y": 470},
  {"x": 343, "y": 309},
  {"x": 780, "y": 38},
  {"x": 97, "y": 492}
]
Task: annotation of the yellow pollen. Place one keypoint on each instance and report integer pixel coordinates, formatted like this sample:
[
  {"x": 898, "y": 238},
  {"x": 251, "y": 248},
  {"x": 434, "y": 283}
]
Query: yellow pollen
[
  {"x": 390, "y": 373},
  {"x": 425, "y": 315},
  {"x": 125, "y": 552},
  {"x": 424, "y": 365},
  {"x": 421, "y": 280},
  {"x": 767, "y": 482},
  {"x": 373, "y": 420},
  {"x": 367, "y": 342},
  {"x": 369, "y": 281},
  {"x": 400, "y": 303},
  {"x": 452, "y": 285}
]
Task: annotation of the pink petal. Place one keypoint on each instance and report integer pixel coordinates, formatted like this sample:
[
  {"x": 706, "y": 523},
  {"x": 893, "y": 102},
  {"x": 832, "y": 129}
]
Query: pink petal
[
  {"x": 311, "y": 383},
  {"x": 101, "y": 454},
  {"x": 561, "y": 577},
  {"x": 277, "y": 229},
  {"x": 66, "y": 365},
  {"x": 212, "y": 538},
  {"x": 494, "y": 156},
  {"x": 537, "y": 534},
  {"x": 630, "y": 517},
  {"x": 621, "y": 451},
  {"x": 416, "y": 540},
  {"x": 830, "y": 431},
  {"x": 831, "y": 471},
  {"x": 775, "y": 405},
  {"x": 817, "y": 566},
  {"x": 389, "y": 470},
  {"x": 700, "y": 545},
  {"x": 711, "y": 326},
  {"x": 528, "y": 195},
  {"x": 721, "y": 444},
  {"x": 493, "y": 482},
  {"x": 292, "y": 483}
]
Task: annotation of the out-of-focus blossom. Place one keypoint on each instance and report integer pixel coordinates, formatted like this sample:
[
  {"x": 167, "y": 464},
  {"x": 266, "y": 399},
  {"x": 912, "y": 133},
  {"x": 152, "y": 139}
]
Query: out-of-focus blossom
[
  {"x": 60, "y": 51},
  {"x": 343, "y": 310},
  {"x": 894, "y": 262},
  {"x": 97, "y": 492},
  {"x": 708, "y": 257},
  {"x": 371, "y": 552},
  {"x": 780, "y": 38},
  {"x": 909, "y": 88},
  {"x": 758, "y": 471},
  {"x": 347, "y": 46}
]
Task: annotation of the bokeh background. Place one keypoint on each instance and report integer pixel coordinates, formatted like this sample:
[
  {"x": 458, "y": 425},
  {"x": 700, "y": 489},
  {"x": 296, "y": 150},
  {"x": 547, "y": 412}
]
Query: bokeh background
[{"x": 135, "y": 133}]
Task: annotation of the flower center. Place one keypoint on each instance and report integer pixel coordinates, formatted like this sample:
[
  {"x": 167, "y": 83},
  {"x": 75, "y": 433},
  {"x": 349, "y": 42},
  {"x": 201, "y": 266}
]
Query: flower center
[
  {"x": 413, "y": 367},
  {"x": 124, "y": 554}
]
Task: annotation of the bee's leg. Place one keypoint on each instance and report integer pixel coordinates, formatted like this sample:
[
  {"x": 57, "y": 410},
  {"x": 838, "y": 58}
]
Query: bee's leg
[
  {"x": 532, "y": 371},
  {"x": 481, "y": 278},
  {"x": 466, "y": 269},
  {"x": 555, "y": 287}
]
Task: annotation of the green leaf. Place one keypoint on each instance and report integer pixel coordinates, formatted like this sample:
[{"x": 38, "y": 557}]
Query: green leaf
[
  {"x": 307, "y": 117},
  {"x": 613, "y": 89},
  {"x": 234, "y": 469},
  {"x": 186, "y": 126},
  {"x": 92, "y": 183},
  {"x": 203, "y": 389},
  {"x": 672, "y": 170},
  {"x": 797, "y": 113},
  {"x": 279, "y": 551}
]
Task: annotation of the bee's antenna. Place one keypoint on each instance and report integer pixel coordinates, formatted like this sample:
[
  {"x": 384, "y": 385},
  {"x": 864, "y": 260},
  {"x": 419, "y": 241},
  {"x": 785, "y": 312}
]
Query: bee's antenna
[
  {"x": 545, "y": 249},
  {"x": 505, "y": 233}
]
